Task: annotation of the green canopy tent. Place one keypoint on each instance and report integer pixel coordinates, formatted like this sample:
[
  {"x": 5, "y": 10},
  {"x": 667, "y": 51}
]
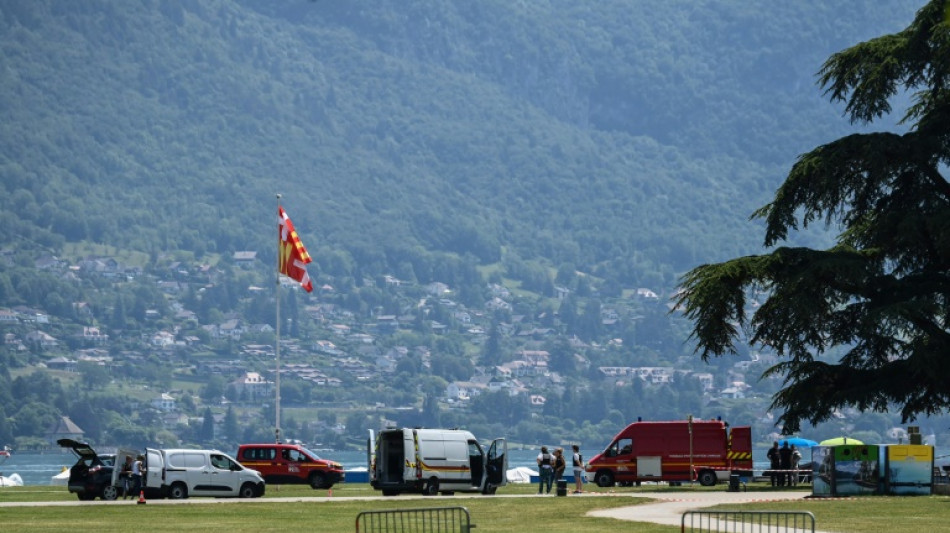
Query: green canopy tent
[{"x": 837, "y": 441}]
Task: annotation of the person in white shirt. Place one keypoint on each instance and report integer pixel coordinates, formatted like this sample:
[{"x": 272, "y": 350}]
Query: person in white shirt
[
  {"x": 578, "y": 461},
  {"x": 137, "y": 475}
]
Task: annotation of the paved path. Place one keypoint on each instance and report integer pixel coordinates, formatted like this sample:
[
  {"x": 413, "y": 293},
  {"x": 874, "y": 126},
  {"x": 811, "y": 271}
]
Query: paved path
[{"x": 669, "y": 511}]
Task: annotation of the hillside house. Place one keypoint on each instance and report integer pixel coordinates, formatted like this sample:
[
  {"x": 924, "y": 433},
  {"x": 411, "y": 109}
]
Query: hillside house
[
  {"x": 253, "y": 386},
  {"x": 8, "y": 317},
  {"x": 230, "y": 329},
  {"x": 61, "y": 363},
  {"x": 41, "y": 339},
  {"x": 496, "y": 304},
  {"x": 245, "y": 258},
  {"x": 94, "y": 335},
  {"x": 64, "y": 428},
  {"x": 162, "y": 339},
  {"x": 437, "y": 288},
  {"x": 464, "y": 390},
  {"x": 164, "y": 402},
  {"x": 647, "y": 294}
]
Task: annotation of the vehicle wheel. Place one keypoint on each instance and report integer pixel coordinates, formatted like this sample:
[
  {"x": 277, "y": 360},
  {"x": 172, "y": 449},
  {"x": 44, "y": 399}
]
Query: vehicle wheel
[
  {"x": 707, "y": 478},
  {"x": 390, "y": 492},
  {"x": 318, "y": 481},
  {"x": 109, "y": 492},
  {"x": 248, "y": 490},
  {"x": 432, "y": 487},
  {"x": 178, "y": 491},
  {"x": 489, "y": 489},
  {"x": 604, "y": 478}
]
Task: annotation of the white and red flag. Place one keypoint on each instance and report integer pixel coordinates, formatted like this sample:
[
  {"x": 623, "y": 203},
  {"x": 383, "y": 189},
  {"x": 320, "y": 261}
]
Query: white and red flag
[{"x": 293, "y": 255}]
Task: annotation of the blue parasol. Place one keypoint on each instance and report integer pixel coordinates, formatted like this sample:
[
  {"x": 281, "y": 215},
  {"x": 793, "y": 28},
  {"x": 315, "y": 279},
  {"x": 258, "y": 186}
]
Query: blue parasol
[{"x": 798, "y": 442}]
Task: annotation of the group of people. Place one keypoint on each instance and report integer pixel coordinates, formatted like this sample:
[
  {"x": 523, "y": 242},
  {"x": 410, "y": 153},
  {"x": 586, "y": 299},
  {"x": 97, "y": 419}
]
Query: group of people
[
  {"x": 784, "y": 464},
  {"x": 551, "y": 467},
  {"x": 131, "y": 476}
]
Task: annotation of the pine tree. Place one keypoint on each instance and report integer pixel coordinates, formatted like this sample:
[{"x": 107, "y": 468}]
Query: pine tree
[
  {"x": 207, "y": 426},
  {"x": 881, "y": 293}
]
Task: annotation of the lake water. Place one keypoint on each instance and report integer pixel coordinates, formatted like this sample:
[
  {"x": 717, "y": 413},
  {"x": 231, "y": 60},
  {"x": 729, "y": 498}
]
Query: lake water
[{"x": 39, "y": 469}]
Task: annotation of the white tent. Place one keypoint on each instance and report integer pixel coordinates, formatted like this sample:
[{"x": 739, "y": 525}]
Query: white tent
[
  {"x": 61, "y": 478},
  {"x": 13, "y": 480},
  {"x": 522, "y": 474}
]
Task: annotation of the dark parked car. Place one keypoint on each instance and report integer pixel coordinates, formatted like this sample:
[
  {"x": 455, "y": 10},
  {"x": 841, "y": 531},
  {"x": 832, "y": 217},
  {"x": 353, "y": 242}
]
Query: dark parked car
[{"x": 91, "y": 476}]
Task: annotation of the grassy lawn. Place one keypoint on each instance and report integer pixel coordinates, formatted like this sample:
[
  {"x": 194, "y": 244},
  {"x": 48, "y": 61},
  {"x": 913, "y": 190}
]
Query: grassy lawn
[{"x": 489, "y": 514}]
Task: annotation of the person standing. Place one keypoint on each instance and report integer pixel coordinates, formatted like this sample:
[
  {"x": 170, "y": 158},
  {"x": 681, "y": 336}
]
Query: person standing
[
  {"x": 775, "y": 462},
  {"x": 796, "y": 459},
  {"x": 577, "y": 461},
  {"x": 137, "y": 475},
  {"x": 545, "y": 470},
  {"x": 125, "y": 474},
  {"x": 785, "y": 463},
  {"x": 559, "y": 464}
]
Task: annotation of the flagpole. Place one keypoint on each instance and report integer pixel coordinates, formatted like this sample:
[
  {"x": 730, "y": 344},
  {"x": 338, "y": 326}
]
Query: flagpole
[{"x": 277, "y": 345}]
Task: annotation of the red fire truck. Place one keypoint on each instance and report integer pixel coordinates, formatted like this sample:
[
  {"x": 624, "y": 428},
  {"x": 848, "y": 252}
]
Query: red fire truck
[{"x": 674, "y": 451}]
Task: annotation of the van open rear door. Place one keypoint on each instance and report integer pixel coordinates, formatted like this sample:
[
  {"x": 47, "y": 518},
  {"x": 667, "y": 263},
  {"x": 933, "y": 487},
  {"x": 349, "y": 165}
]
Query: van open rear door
[
  {"x": 496, "y": 466},
  {"x": 120, "y": 455},
  {"x": 154, "y": 477},
  {"x": 371, "y": 455}
]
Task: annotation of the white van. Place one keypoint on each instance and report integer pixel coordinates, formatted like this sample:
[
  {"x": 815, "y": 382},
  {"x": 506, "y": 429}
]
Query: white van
[
  {"x": 431, "y": 461},
  {"x": 179, "y": 474}
]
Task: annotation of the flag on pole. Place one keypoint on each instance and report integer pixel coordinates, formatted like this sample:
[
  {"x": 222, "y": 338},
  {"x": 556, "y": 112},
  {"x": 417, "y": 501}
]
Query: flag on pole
[{"x": 293, "y": 255}]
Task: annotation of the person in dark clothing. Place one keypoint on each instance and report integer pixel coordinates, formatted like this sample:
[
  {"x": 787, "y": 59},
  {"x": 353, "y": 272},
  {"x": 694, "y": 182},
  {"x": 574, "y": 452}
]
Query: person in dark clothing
[
  {"x": 775, "y": 462},
  {"x": 545, "y": 470},
  {"x": 559, "y": 464},
  {"x": 785, "y": 463},
  {"x": 126, "y": 476}
]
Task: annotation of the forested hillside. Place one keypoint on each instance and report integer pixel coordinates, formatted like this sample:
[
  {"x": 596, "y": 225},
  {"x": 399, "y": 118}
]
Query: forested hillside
[
  {"x": 628, "y": 139},
  {"x": 556, "y": 164}
]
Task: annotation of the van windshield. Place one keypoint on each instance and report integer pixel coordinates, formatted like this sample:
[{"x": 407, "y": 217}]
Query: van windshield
[{"x": 312, "y": 455}]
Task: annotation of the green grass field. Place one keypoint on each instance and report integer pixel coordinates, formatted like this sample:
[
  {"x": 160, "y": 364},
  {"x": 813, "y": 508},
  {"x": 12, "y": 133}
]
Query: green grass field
[{"x": 489, "y": 514}]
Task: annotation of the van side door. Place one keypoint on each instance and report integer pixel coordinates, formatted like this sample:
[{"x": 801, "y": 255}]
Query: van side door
[
  {"x": 193, "y": 468},
  {"x": 412, "y": 461},
  {"x": 224, "y": 474},
  {"x": 496, "y": 465}
]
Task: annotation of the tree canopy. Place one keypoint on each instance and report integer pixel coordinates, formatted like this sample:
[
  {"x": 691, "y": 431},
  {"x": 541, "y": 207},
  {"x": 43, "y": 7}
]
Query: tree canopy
[{"x": 863, "y": 323}]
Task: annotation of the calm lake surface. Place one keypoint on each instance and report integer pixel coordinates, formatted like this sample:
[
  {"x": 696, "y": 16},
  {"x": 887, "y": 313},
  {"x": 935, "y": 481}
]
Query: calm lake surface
[{"x": 39, "y": 469}]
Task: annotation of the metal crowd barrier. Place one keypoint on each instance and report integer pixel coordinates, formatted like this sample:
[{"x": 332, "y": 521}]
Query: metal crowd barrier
[
  {"x": 422, "y": 520},
  {"x": 748, "y": 521}
]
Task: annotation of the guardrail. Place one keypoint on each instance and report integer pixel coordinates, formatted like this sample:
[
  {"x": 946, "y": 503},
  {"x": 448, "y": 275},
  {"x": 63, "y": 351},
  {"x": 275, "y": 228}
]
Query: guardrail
[
  {"x": 748, "y": 521},
  {"x": 423, "y": 520}
]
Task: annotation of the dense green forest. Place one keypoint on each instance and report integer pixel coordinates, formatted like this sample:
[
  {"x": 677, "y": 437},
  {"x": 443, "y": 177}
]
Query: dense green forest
[
  {"x": 599, "y": 147},
  {"x": 628, "y": 139}
]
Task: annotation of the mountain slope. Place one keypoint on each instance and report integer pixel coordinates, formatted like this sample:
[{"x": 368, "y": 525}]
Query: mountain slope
[{"x": 628, "y": 138}]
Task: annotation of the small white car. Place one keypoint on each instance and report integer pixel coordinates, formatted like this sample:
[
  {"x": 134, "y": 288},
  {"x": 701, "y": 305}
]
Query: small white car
[{"x": 184, "y": 473}]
